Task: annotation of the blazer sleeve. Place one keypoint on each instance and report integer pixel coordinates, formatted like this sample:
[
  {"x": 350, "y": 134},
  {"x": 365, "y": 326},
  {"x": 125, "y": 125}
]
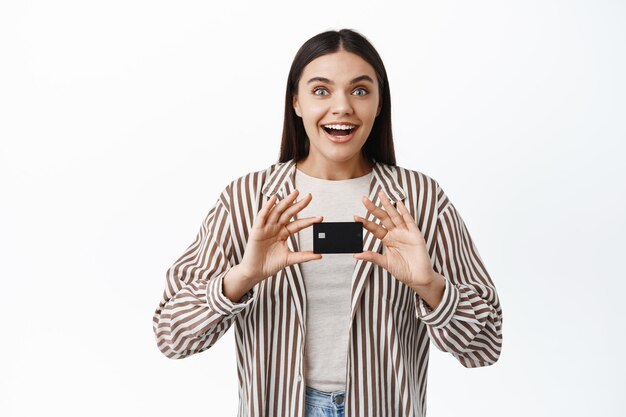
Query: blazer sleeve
[
  {"x": 468, "y": 321},
  {"x": 194, "y": 312}
]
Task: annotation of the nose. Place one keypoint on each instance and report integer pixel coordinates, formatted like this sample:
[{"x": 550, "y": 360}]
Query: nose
[{"x": 341, "y": 104}]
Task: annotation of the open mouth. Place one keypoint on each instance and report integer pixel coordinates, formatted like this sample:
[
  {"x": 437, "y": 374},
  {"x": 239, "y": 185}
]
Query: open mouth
[
  {"x": 340, "y": 135},
  {"x": 339, "y": 132}
]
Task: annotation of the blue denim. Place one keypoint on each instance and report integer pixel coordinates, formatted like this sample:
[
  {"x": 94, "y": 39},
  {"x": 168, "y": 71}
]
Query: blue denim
[{"x": 324, "y": 404}]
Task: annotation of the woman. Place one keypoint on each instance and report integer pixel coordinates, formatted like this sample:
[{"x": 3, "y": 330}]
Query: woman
[{"x": 334, "y": 333}]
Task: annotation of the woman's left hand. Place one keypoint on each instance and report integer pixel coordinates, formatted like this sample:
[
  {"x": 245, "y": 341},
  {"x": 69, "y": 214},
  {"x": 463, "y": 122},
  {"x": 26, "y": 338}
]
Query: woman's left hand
[{"x": 406, "y": 257}]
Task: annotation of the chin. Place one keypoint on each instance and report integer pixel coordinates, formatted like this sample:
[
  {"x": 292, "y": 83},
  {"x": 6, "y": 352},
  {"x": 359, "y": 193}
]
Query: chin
[{"x": 341, "y": 155}]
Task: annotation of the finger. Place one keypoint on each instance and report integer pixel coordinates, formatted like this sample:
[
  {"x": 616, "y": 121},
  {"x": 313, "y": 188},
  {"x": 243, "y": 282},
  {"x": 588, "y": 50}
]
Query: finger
[
  {"x": 395, "y": 217},
  {"x": 297, "y": 225},
  {"x": 304, "y": 256},
  {"x": 378, "y": 212},
  {"x": 408, "y": 219},
  {"x": 373, "y": 257},
  {"x": 271, "y": 208},
  {"x": 263, "y": 213},
  {"x": 294, "y": 208},
  {"x": 376, "y": 229},
  {"x": 280, "y": 207}
]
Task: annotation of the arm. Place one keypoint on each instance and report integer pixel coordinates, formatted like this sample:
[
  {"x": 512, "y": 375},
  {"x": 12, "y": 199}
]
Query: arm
[
  {"x": 467, "y": 322},
  {"x": 194, "y": 312}
]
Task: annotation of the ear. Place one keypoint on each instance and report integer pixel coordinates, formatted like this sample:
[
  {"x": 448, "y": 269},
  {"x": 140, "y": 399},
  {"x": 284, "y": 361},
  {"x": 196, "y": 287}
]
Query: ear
[{"x": 296, "y": 106}]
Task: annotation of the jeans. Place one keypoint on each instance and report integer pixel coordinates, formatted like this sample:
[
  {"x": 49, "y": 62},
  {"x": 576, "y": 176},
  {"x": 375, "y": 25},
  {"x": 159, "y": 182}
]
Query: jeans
[{"x": 324, "y": 404}]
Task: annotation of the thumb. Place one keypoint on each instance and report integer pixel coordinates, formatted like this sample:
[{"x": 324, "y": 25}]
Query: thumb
[
  {"x": 304, "y": 256},
  {"x": 373, "y": 257}
]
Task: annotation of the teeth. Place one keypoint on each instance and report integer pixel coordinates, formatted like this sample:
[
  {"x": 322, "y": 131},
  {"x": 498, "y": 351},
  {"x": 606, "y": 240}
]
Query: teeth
[{"x": 343, "y": 127}]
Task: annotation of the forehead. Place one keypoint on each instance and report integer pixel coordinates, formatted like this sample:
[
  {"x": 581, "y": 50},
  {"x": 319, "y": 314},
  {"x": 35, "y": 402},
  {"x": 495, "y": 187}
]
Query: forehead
[{"x": 338, "y": 66}]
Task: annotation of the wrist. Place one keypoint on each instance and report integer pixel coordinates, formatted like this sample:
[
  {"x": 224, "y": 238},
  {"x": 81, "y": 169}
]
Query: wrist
[
  {"x": 236, "y": 283},
  {"x": 432, "y": 292},
  {"x": 246, "y": 275}
]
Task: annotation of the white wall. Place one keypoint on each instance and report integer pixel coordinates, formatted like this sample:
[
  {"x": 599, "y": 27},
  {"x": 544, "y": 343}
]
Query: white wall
[{"x": 121, "y": 121}]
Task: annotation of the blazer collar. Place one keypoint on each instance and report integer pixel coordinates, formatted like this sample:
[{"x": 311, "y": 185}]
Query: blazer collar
[{"x": 282, "y": 180}]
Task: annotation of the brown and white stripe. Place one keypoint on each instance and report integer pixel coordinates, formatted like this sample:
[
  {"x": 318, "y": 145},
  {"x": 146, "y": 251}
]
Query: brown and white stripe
[{"x": 391, "y": 326}]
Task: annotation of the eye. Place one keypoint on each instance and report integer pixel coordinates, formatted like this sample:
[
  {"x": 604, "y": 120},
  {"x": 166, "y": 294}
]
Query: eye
[
  {"x": 364, "y": 90},
  {"x": 315, "y": 90}
]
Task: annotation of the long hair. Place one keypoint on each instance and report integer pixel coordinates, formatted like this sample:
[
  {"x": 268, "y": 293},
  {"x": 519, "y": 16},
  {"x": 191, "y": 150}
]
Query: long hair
[{"x": 295, "y": 143}]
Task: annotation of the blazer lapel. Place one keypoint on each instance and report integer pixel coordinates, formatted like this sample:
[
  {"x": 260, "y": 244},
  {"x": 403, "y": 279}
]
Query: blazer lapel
[
  {"x": 282, "y": 182},
  {"x": 383, "y": 178}
]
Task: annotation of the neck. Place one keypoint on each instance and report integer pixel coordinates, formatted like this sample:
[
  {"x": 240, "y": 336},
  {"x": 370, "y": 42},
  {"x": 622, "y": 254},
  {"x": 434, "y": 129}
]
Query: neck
[{"x": 335, "y": 170}]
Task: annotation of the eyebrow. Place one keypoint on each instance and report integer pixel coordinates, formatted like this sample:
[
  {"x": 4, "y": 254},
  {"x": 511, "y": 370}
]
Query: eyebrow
[{"x": 355, "y": 80}]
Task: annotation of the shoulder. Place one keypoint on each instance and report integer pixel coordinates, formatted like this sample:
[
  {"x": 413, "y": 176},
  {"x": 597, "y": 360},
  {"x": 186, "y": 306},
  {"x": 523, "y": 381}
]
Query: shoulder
[
  {"x": 412, "y": 173},
  {"x": 251, "y": 183},
  {"x": 256, "y": 178},
  {"x": 413, "y": 178},
  {"x": 418, "y": 183}
]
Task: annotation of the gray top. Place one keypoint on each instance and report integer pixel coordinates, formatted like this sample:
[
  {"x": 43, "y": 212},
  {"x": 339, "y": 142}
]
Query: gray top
[{"x": 328, "y": 281}]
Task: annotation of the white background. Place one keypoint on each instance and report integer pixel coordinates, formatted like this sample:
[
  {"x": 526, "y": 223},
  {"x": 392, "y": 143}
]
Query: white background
[{"x": 120, "y": 122}]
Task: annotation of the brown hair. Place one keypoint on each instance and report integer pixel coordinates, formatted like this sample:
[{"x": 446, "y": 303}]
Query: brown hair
[{"x": 295, "y": 143}]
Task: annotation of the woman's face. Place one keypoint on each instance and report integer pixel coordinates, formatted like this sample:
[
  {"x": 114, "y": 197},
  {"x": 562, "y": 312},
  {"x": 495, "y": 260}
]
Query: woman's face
[{"x": 340, "y": 90}]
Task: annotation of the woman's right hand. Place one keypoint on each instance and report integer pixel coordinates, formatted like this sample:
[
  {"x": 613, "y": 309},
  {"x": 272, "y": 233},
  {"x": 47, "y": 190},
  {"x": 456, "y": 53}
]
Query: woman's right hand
[{"x": 266, "y": 251}]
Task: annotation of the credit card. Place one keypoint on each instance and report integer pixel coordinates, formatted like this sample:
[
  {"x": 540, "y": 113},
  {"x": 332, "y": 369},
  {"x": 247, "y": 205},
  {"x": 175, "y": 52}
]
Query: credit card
[{"x": 338, "y": 237}]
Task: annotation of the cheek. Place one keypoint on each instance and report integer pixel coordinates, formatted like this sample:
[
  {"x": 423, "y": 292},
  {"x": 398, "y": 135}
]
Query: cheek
[
  {"x": 368, "y": 111},
  {"x": 313, "y": 110}
]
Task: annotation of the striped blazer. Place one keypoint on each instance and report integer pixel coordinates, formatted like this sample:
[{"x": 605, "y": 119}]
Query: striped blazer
[{"x": 391, "y": 326}]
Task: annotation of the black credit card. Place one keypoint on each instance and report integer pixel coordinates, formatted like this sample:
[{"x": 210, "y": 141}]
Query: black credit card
[{"x": 338, "y": 237}]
